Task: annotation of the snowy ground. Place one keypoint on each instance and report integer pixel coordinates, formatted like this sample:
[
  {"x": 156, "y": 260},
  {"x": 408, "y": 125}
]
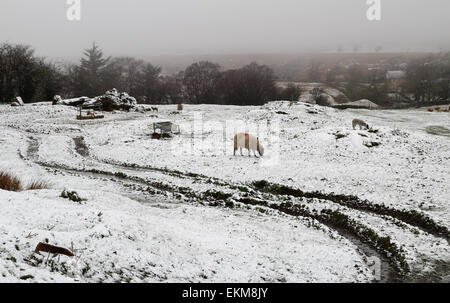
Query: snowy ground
[{"x": 148, "y": 215}]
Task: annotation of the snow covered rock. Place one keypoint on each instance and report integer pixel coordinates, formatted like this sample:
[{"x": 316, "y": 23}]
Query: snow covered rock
[{"x": 112, "y": 100}]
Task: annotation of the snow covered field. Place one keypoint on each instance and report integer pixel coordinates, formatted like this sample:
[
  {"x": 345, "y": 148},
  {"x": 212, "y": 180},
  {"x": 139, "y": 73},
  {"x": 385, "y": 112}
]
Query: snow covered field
[{"x": 186, "y": 210}]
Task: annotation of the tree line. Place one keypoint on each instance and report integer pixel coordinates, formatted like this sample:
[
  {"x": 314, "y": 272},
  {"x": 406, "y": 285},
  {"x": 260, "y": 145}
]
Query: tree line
[
  {"x": 35, "y": 79},
  {"x": 26, "y": 75}
]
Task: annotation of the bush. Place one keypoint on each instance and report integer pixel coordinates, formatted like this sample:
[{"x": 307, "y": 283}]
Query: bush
[{"x": 10, "y": 182}]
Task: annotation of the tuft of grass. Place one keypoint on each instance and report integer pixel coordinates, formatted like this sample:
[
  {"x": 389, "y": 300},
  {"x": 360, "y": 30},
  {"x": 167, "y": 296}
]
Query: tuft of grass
[
  {"x": 38, "y": 184},
  {"x": 10, "y": 182}
]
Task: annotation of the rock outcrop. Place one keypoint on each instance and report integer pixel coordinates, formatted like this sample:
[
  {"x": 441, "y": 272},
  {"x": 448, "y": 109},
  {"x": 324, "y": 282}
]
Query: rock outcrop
[{"x": 111, "y": 100}]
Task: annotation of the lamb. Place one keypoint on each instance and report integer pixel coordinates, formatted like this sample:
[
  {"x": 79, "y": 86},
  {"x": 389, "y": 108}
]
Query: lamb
[
  {"x": 250, "y": 142},
  {"x": 361, "y": 124}
]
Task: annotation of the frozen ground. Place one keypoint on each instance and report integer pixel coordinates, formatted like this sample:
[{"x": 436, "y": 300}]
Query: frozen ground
[{"x": 186, "y": 209}]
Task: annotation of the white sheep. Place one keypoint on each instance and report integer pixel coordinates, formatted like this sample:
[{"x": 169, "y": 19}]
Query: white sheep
[{"x": 250, "y": 142}]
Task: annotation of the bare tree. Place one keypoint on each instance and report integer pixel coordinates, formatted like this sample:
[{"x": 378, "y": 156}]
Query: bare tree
[
  {"x": 23, "y": 74},
  {"x": 200, "y": 80}
]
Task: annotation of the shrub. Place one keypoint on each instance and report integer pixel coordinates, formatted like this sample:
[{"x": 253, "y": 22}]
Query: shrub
[{"x": 10, "y": 182}]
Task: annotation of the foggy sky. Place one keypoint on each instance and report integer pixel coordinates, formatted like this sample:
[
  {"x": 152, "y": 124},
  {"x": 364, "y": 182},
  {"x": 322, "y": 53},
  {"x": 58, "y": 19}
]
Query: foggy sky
[{"x": 156, "y": 27}]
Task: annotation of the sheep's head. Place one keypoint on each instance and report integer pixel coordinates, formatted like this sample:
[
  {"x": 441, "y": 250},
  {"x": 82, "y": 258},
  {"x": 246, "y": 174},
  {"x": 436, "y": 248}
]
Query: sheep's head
[{"x": 260, "y": 149}]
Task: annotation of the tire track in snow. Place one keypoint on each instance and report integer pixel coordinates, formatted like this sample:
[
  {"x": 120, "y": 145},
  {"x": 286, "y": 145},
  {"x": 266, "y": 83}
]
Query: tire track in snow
[
  {"x": 220, "y": 199},
  {"x": 411, "y": 217},
  {"x": 388, "y": 273}
]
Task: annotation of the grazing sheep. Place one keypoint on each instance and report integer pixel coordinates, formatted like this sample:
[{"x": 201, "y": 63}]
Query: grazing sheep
[
  {"x": 361, "y": 124},
  {"x": 430, "y": 110},
  {"x": 250, "y": 142}
]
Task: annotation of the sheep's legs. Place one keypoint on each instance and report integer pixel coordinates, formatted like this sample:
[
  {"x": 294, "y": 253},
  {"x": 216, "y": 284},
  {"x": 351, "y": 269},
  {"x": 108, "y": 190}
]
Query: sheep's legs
[{"x": 241, "y": 151}]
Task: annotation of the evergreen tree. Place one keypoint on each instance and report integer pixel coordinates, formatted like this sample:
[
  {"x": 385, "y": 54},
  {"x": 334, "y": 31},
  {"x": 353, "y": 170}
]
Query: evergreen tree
[
  {"x": 151, "y": 84},
  {"x": 91, "y": 73}
]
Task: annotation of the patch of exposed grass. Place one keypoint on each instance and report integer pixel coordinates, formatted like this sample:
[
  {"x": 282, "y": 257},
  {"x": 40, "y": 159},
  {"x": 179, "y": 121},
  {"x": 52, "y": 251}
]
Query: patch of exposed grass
[
  {"x": 10, "y": 182},
  {"x": 38, "y": 184},
  {"x": 120, "y": 175},
  {"x": 217, "y": 195}
]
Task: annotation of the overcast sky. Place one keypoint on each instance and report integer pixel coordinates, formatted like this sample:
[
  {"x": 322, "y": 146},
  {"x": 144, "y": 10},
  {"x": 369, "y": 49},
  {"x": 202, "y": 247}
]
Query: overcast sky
[{"x": 154, "y": 27}]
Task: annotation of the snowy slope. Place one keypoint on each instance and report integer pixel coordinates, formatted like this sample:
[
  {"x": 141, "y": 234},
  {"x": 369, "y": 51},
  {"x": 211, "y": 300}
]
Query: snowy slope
[{"x": 125, "y": 231}]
